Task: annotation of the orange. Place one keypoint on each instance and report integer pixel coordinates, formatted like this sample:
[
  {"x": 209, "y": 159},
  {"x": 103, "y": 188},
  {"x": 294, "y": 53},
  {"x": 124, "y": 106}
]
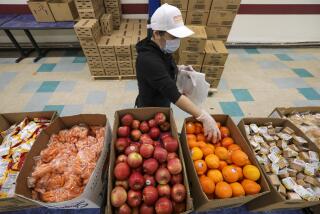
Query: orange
[
  {"x": 223, "y": 190},
  {"x": 190, "y": 128},
  {"x": 207, "y": 184},
  {"x": 198, "y": 128},
  {"x": 251, "y": 172},
  {"x": 191, "y": 137},
  {"x": 225, "y": 132},
  {"x": 212, "y": 161},
  {"x": 239, "y": 158},
  {"x": 201, "y": 137},
  {"x": 206, "y": 150},
  {"x": 239, "y": 170},
  {"x": 201, "y": 144},
  {"x": 200, "y": 166},
  {"x": 227, "y": 141},
  {"x": 230, "y": 174},
  {"x": 192, "y": 143},
  {"x": 250, "y": 187},
  {"x": 234, "y": 147},
  {"x": 237, "y": 189},
  {"x": 228, "y": 160},
  {"x": 215, "y": 175},
  {"x": 221, "y": 152},
  {"x": 222, "y": 164},
  {"x": 196, "y": 153},
  {"x": 211, "y": 146}
]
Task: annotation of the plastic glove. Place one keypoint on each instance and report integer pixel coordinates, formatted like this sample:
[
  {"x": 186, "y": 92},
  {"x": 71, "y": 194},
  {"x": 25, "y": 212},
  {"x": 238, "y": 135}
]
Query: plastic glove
[{"x": 210, "y": 127}]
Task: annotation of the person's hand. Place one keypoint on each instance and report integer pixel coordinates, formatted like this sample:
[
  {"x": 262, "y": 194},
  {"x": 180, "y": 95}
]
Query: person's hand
[{"x": 210, "y": 127}]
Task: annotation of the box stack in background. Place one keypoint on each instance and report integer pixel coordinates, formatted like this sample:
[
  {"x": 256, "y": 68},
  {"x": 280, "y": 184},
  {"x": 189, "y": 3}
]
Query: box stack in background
[
  {"x": 198, "y": 12},
  {"x": 181, "y": 4},
  {"x": 90, "y": 9},
  {"x": 191, "y": 51},
  {"x": 106, "y": 24},
  {"x": 114, "y": 7},
  {"x": 89, "y": 32},
  {"x": 213, "y": 64}
]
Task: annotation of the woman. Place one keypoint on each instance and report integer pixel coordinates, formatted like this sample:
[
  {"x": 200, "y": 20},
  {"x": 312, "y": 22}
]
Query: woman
[{"x": 157, "y": 71}]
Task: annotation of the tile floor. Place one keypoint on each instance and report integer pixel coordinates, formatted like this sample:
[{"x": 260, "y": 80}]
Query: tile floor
[{"x": 254, "y": 82}]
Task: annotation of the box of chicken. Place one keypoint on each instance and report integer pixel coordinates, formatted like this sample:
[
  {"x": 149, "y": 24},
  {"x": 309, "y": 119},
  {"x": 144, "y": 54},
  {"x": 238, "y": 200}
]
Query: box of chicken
[
  {"x": 67, "y": 166},
  {"x": 18, "y": 133}
]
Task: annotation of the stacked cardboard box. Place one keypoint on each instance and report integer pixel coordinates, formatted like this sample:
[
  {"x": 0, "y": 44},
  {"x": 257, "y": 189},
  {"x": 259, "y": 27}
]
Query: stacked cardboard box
[
  {"x": 221, "y": 17},
  {"x": 90, "y": 9},
  {"x": 181, "y": 4},
  {"x": 198, "y": 12},
  {"x": 106, "y": 24},
  {"x": 213, "y": 64},
  {"x": 89, "y": 32},
  {"x": 191, "y": 51},
  {"x": 114, "y": 7}
]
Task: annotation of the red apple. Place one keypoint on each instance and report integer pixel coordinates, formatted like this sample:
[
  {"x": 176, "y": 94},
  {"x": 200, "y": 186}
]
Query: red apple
[
  {"x": 165, "y": 126},
  {"x": 134, "y": 160},
  {"x": 163, "y": 176},
  {"x": 160, "y": 118},
  {"x": 123, "y": 131},
  {"x": 150, "y": 181},
  {"x": 145, "y": 209},
  {"x": 157, "y": 143},
  {"x": 135, "y": 124},
  {"x": 163, "y": 206},
  {"x": 132, "y": 148},
  {"x": 163, "y": 135},
  {"x": 121, "y": 171},
  {"x": 139, "y": 169},
  {"x": 150, "y": 166},
  {"x": 123, "y": 184},
  {"x": 176, "y": 179},
  {"x": 154, "y": 133},
  {"x": 118, "y": 196},
  {"x": 179, "y": 207},
  {"x": 178, "y": 192},
  {"x": 135, "y": 134},
  {"x": 121, "y": 158},
  {"x": 170, "y": 144},
  {"x": 124, "y": 209},
  {"x": 174, "y": 166},
  {"x": 134, "y": 198},
  {"x": 146, "y": 150},
  {"x": 164, "y": 190},
  {"x": 144, "y": 127},
  {"x": 150, "y": 195},
  {"x": 145, "y": 138},
  {"x": 172, "y": 155},
  {"x": 126, "y": 120},
  {"x": 152, "y": 123},
  {"x": 160, "y": 154},
  {"x": 136, "y": 181},
  {"x": 121, "y": 144}
]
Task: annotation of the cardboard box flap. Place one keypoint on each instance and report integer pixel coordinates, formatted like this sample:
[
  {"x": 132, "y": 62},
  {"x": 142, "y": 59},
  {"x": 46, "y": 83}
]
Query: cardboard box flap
[
  {"x": 219, "y": 47},
  {"x": 199, "y": 32},
  {"x": 283, "y": 111},
  {"x": 209, "y": 47}
]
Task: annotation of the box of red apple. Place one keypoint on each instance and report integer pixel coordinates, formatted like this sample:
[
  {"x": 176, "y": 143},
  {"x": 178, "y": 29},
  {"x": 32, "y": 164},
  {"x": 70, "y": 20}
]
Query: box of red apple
[{"x": 147, "y": 172}]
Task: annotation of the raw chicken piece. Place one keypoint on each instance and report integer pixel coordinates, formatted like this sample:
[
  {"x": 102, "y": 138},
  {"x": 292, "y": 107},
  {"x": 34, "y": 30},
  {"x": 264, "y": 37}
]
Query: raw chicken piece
[
  {"x": 80, "y": 132},
  {"x": 48, "y": 154},
  {"x": 42, "y": 170}
]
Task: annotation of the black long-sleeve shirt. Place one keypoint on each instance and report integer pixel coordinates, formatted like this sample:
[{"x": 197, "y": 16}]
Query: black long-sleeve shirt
[{"x": 156, "y": 75}]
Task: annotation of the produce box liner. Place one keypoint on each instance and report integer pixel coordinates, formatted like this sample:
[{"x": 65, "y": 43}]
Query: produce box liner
[{"x": 92, "y": 194}]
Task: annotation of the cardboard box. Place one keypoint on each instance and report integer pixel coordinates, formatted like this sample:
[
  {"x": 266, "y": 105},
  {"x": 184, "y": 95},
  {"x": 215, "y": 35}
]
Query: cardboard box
[
  {"x": 214, "y": 82},
  {"x": 201, "y": 201},
  {"x": 88, "y": 29},
  {"x": 91, "y": 51},
  {"x": 190, "y": 58},
  {"x": 214, "y": 72},
  {"x": 216, "y": 53},
  {"x": 7, "y": 120},
  {"x": 122, "y": 46},
  {"x": 181, "y": 4},
  {"x": 93, "y": 58},
  {"x": 41, "y": 10},
  {"x": 88, "y": 4},
  {"x": 221, "y": 17},
  {"x": 63, "y": 10},
  {"x": 97, "y": 72},
  {"x": 134, "y": 40},
  {"x": 109, "y": 64},
  {"x": 274, "y": 200},
  {"x": 88, "y": 43},
  {"x": 125, "y": 67},
  {"x": 94, "y": 190},
  {"x": 195, "y": 42},
  {"x": 282, "y": 112},
  {"x": 197, "y": 17},
  {"x": 225, "y": 4},
  {"x": 106, "y": 24},
  {"x": 184, "y": 15},
  {"x": 108, "y": 58},
  {"x": 106, "y": 46},
  {"x": 199, "y": 5},
  {"x": 91, "y": 13},
  {"x": 218, "y": 32},
  {"x": 111, "y": 73},
  {"x": 145, "y": 114},
  {"x": 96, "y": 64},
  {"x": 197, "y": 67}
]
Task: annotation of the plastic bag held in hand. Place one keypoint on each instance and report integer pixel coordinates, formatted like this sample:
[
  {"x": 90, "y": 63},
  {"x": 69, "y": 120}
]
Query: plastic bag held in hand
[
  {"x": 210, "y": 127},
  {"x": 192, "y": 84}
]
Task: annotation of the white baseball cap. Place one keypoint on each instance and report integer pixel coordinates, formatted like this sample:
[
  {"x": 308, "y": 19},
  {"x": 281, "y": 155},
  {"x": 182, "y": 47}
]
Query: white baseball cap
[{"x": 168, "y": 18}]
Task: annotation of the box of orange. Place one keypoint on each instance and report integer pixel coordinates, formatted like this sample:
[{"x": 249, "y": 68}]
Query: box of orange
[{"x": 225, "y": 174}]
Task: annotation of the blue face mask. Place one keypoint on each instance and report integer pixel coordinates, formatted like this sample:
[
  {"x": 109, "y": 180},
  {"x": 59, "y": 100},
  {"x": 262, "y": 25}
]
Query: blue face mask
[{"x": 172, "y": 45}]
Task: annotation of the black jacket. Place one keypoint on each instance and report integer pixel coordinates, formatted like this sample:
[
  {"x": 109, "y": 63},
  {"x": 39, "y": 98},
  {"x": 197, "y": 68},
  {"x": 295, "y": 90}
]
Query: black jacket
[{"x": 156, "y": 75}]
